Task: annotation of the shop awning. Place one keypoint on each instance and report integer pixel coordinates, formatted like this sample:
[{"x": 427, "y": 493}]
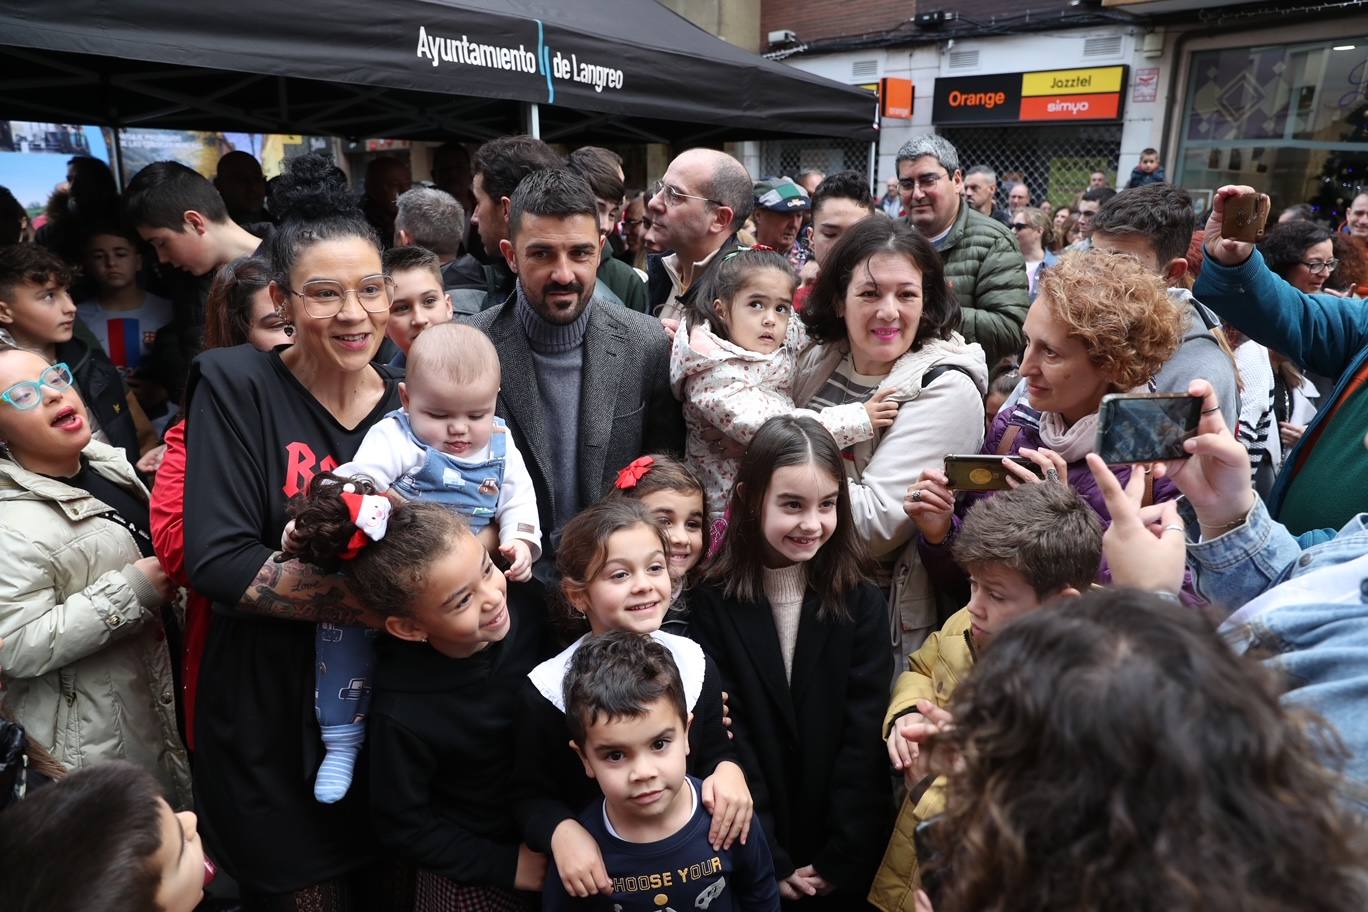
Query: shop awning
[{"x": 599, "y": 70}]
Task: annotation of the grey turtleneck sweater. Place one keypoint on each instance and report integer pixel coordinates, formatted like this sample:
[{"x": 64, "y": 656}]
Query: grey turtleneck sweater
[{"x": 558, "y": 357}]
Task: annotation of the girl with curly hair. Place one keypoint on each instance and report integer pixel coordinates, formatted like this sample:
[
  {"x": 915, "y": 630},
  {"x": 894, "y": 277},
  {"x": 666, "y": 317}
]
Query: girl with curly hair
[
  {"x": 1102, "y": 323},
  {"x": 1113, "y": 753}
]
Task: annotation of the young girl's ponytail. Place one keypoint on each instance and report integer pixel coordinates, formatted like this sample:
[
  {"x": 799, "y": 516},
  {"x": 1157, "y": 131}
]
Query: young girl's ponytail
[{"x": 335, "y": 529}]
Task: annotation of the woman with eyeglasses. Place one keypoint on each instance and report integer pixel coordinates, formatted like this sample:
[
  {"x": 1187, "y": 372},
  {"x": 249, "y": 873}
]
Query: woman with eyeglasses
[
  {"x": 1303, "y": 254},
  {"x": 87, "y": 671},
  {"x": 1034, "y": 234},
  {"x": 259, "y": 426}
]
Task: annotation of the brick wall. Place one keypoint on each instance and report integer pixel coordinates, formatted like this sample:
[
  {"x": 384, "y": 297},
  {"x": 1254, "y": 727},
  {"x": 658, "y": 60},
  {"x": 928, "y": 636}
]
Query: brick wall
[
  {"x": 814, "y": 19},
  {"x": 817, "y": 19}
]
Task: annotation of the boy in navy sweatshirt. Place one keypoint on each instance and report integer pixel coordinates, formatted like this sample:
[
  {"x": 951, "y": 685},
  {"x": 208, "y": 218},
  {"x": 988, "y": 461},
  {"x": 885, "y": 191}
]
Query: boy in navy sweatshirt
[{"x": 625, "y": 706}]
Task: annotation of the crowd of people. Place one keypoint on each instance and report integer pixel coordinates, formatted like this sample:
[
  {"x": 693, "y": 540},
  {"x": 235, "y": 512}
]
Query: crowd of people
[{"x": 525, "y": 540}]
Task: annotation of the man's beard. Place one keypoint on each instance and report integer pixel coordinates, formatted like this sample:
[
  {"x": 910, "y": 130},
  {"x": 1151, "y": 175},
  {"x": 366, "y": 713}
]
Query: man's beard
[{"x": 560, "y": 315}]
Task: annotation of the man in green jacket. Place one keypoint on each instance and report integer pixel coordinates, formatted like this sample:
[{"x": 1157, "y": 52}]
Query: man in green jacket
[{"x": 983, "y": 262}]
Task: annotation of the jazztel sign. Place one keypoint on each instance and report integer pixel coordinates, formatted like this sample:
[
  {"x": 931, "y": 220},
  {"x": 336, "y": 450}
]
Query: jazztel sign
[{"x": 1040, "y": 97}]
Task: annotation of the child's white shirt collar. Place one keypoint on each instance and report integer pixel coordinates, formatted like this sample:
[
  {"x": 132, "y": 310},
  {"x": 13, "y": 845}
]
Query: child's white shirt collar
[{"x": 549, "y": 676}]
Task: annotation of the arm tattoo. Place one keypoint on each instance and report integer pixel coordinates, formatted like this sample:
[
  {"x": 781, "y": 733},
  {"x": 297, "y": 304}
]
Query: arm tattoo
[{"x": 297, "y": 591}]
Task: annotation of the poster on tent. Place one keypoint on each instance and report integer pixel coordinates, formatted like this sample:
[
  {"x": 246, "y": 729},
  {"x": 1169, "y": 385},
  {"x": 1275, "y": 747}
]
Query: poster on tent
[
  {"x": 201, "y": 150},
  {"x": 34, "y": 156}
]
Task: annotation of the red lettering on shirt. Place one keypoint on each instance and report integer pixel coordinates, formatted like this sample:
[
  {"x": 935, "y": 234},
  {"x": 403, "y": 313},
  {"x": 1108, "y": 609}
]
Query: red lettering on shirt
[{"x": 301, "y": 466}]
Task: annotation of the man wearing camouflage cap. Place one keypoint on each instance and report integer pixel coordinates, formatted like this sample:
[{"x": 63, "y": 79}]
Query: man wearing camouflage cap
[{"x": 780, "y": 207}]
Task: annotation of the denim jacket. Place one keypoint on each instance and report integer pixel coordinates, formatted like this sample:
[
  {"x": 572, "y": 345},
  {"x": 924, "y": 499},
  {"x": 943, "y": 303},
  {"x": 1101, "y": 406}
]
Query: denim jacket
[{"x": 1317, "y": 637}]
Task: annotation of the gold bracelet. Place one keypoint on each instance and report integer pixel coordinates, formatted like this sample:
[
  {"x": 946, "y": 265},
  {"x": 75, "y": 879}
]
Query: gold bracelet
[{"x": 1222, "y": 529}]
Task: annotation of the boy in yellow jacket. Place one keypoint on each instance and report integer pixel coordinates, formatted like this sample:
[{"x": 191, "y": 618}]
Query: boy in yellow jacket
[{"x": 1021, "y": 549}]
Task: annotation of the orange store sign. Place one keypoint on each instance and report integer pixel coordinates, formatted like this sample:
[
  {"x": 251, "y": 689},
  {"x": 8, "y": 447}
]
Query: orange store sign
[{"x": 1092, "y": 94}]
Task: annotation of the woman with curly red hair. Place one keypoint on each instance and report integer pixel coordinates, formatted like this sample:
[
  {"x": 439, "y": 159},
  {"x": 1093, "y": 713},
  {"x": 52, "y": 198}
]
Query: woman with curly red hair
[{"x": 1100, "y": 324}]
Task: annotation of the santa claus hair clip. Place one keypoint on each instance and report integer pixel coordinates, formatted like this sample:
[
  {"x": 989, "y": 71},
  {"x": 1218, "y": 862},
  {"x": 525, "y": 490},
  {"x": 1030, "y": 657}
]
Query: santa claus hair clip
[{"x": 369, "y": 513}]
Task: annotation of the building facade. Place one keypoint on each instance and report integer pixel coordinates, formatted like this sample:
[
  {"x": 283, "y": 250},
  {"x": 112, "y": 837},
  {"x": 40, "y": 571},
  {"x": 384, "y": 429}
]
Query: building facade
[{"x": 1274, "y": 94}]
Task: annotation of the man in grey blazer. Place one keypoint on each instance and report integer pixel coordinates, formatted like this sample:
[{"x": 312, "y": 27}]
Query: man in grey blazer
[{"x": 586, "y": 384}]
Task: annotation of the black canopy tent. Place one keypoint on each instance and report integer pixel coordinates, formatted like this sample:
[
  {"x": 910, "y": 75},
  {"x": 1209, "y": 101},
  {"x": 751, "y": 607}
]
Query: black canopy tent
[{"x": 588, "y": 70}]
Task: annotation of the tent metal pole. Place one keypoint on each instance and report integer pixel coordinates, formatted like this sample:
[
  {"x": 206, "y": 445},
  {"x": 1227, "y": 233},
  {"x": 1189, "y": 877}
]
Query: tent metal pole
[
  {"x": 533, "y": 112},
  {"x": 873, "y": 163}
]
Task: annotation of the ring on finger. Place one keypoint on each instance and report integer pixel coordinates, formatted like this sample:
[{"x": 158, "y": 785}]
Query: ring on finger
[
  {"x": 1174, "y": 528},
  {"x": 1052, "y": 474},
  {"x": 916, "y": 496}
]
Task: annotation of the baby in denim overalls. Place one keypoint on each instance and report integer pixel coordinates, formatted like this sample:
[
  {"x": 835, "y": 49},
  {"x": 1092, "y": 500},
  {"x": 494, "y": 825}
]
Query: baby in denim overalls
[{"x": 444, "y": 445}]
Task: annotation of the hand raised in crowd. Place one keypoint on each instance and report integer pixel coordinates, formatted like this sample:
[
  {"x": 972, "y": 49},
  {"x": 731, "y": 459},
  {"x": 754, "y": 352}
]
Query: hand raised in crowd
[
  {"x": 1216, "y": 479},
  {"x": 1290, "y": 434},
  {"x": 151, "y": 568},
  {"x": 579, "y": 861},
  {"x": 1224, "y": 250},
  {"x": 671, "y": 326},
  {"x": 1052, "y": 466},
  {"x": 882, "y": 409},
  {"x": 1145, "y": 548},
  {"x": 531, "y": 872},
  {"x": 519, "y": 557},
  {"x": 930, "y": 504},
  {"x": 151, "y": 461},
  {"x": 728, "y": 798}
]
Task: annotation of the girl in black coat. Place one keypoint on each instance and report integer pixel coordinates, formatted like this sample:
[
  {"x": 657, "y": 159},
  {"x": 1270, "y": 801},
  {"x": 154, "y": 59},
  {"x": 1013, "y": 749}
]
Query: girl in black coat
[
  {"x": 441, "y": 725},
  {"x": 802, "y": 644}
]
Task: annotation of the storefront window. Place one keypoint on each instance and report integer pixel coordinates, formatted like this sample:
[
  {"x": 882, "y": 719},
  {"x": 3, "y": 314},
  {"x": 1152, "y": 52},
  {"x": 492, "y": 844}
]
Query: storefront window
[{"x": 1291, "y": 120}]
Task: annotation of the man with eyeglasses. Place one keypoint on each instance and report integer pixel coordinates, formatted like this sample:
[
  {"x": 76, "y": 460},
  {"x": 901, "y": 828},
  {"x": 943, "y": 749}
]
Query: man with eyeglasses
[
  {"x": 1324, "y": 479},
  {"x": 635, "y": 224},
  {"x": 586, "y": 382},
  {"x": 602, "y": 168},
  {"x": 983, "y": 262},
  {"x": 695, "y": 212}
]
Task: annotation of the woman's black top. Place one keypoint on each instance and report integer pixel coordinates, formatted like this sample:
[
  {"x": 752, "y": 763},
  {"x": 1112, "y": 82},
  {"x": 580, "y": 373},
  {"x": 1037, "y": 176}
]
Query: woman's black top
[{"x": 255, "y": 437}]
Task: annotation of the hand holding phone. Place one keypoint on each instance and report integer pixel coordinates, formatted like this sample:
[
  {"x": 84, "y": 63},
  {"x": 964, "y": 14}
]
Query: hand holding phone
[
  {"x": 1245, "y": 216},
  {"x": 979, "y": 472},
  {"x": 930, "y": 504},
  {"x": 1146, "y": 427},
  {"x": 1219, "y": 246}
]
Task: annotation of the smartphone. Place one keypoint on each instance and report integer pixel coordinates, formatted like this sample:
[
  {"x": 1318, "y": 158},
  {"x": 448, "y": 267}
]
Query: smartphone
[
  {"x": 984, "y": 473},
  {"x": 1245, "y": 217},
  {"x": 1146, "y": 427},
  {"x": 930, "y": 860}
]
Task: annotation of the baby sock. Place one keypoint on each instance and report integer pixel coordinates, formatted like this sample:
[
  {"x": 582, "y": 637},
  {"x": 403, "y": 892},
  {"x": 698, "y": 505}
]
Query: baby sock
[{"x": 343, "y": 743}]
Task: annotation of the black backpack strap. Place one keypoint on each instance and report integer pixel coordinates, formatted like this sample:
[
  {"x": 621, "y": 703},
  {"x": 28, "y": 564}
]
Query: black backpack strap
[{"x": 936, "y": 372}]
